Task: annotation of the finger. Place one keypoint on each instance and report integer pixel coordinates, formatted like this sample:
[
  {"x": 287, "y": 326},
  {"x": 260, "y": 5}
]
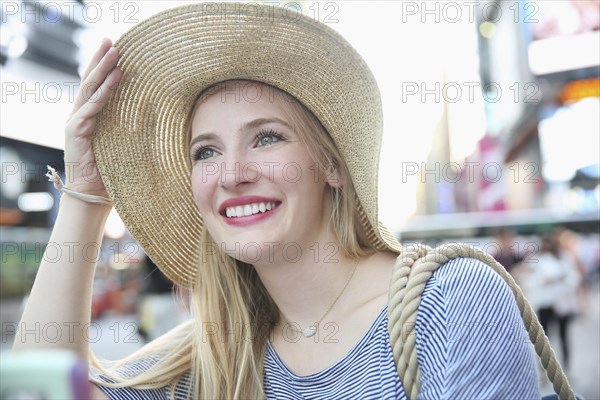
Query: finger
[
  {"x": 97, "y": 76},
  {"x": 104, "y": 47},
  {"x": 95, "y": 104}
]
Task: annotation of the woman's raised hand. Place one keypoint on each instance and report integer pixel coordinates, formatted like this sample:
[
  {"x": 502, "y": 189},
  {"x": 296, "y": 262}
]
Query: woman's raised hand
[
  {"x": 99, "y": 79},
  {"x": 67, "y": 281}
]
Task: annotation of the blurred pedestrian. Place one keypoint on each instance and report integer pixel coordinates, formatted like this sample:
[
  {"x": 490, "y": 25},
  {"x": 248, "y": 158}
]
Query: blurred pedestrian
[
  {"x": 506, "y": 249},
  {"x": 570, "y": 252},
  {"x": 552, "y": 288}
]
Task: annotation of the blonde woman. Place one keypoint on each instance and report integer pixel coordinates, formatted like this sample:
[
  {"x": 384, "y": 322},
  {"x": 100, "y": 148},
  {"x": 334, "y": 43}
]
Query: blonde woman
[{"x": 241, "y": 150}]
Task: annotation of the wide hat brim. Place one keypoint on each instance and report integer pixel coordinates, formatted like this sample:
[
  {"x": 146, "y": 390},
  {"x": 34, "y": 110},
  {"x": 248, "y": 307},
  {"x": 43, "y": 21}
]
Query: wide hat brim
[{"x": 141, "y": 141}]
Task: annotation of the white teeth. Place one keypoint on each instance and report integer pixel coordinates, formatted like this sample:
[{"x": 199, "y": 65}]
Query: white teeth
[{"x": 248, "y": 209}]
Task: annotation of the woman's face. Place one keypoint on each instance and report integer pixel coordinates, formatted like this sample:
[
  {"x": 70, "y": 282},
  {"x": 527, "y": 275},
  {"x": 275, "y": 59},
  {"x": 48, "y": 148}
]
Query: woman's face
[{"x": 258, "y": 190}]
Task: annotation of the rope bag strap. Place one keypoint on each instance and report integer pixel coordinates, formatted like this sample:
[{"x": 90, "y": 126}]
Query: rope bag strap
[{"x": 411, "y": 272}]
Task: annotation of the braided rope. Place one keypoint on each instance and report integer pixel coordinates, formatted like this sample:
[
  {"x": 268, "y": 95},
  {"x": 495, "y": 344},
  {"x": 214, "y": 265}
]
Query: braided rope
[{"x": 418, "y": 263}]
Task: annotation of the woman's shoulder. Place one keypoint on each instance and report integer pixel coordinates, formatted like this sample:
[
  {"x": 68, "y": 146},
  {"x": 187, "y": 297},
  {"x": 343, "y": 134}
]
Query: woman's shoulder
[
  {"x": 469, "y": 285},
  {"x": 467, "y": 272},
  {"x": 462, "y": 273},
  {"x": 464, "y": 287},
  {"x": 471, "y": 339}
]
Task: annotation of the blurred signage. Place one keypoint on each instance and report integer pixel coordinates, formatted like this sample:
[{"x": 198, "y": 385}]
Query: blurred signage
[
  {"x": 574, "y": 125},
  {"x": 577, "y": 90},
  {"x": 564, "y": 17},
  {"x": 566, "y": 36},
  {"x": 27, "y": 198},
  {"x": 564, "y": 53},
  {"x": 492, "y": 191}
]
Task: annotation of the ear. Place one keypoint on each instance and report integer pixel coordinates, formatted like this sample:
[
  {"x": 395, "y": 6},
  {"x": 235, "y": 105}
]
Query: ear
[{"x": 333, "y": 177}]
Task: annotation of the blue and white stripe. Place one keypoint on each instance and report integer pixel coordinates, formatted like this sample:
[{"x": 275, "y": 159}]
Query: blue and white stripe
[
  {"x": 471, "y": 344},
  {"x": 471, "y": 340},
  {"x": 366, "y": 372}
]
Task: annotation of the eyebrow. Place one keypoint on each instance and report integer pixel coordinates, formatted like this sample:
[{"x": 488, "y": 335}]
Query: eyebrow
[{"x": 255, "y": 123}]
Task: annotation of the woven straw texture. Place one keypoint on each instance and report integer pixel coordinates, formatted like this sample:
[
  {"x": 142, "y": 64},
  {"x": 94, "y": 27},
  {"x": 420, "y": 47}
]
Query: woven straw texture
[
  {"x": 411, "y": 272},
  {"x": 141, "y": 140}
]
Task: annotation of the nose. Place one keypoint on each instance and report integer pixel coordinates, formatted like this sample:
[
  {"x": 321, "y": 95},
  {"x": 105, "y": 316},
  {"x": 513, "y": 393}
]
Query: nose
[{"x": 236, "y": 171}]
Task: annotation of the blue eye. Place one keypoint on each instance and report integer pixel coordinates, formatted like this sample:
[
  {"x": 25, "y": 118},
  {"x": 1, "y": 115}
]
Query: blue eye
[
  {"x": 267, "y": 138},
  {"x": 203, "y": 153}
]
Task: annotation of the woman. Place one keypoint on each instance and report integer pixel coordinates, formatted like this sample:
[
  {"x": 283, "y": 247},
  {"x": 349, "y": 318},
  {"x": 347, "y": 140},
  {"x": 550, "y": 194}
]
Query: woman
[
  {"x": 241, "y": 151},
  {"x": 552, "y": 286}
]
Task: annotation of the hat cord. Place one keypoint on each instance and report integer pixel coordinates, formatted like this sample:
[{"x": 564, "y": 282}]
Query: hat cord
[{"x": 53, "y": 177}]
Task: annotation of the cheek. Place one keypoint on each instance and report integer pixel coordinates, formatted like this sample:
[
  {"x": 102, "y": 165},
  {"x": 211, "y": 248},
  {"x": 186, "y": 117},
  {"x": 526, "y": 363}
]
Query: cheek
[
  {"x": 294, "y": 168},
  {"x": 203, "y": 187}
]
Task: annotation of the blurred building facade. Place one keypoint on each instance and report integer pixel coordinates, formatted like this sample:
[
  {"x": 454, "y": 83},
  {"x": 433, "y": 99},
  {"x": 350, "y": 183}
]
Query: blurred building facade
[{"x": 537, "y": 163}]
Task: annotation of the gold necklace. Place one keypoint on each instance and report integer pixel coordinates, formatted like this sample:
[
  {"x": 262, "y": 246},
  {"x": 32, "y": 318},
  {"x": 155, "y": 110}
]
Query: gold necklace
[{"x": 310, "y": 330}]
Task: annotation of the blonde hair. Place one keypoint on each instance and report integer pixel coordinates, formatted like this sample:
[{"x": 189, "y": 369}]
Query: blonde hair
[{"x": 228, "y": 296}]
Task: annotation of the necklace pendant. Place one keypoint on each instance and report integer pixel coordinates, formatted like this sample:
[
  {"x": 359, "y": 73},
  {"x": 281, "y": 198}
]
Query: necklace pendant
[{"x": 309, "y": 331}]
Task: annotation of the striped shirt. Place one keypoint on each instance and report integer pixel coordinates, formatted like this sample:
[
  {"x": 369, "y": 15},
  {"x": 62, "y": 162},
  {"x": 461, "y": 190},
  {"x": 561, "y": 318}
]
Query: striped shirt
[{"x": 470, "y": 338}]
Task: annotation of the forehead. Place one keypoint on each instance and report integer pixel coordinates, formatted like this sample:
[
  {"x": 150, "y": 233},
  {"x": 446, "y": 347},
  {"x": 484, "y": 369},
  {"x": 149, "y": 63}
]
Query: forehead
[{"x": 241, "y": 100}]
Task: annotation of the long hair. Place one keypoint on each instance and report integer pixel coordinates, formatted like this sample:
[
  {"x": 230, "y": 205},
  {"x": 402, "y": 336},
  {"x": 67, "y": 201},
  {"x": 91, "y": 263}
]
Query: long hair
[{"x": 223, "y": 345}]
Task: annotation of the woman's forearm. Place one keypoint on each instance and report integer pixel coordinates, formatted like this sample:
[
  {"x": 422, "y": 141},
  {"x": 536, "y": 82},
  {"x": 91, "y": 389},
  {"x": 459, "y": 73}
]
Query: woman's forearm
[{"x": 58, "y": 312}]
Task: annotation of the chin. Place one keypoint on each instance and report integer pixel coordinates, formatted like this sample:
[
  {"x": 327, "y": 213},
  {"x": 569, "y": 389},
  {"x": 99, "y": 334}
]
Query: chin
[{"x": 248, "y": 249}]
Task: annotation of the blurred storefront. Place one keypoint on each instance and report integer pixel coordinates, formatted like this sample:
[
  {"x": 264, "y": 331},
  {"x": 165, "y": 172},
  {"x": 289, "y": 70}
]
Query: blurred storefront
[{"x": 28, "y": 206}]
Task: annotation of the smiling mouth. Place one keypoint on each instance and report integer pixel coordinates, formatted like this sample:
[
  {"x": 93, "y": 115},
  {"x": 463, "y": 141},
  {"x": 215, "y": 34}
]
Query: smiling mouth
[{"x": 250, "y": 209}]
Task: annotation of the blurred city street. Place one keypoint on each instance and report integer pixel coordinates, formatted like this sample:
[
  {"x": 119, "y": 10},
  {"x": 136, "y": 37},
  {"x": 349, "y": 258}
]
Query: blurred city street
[
  {"x": 111, "y": 337},
  {"x": 119, "y": 337}
]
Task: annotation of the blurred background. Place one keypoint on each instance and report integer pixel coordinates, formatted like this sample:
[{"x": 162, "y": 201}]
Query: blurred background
[{"x": 492, "y": 130}]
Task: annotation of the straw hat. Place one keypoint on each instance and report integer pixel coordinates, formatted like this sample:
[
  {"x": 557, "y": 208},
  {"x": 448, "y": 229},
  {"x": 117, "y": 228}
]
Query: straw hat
[{"x": 141, "y": 142}]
